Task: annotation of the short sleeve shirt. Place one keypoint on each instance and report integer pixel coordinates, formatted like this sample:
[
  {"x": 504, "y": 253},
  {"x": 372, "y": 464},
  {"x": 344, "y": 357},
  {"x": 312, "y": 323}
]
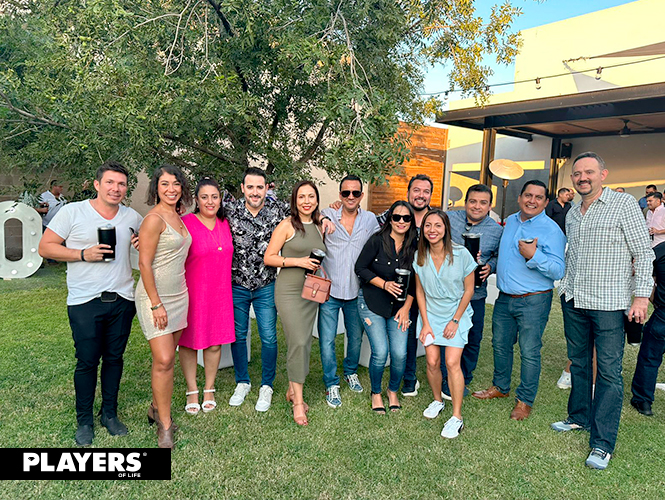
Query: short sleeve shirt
[
  {"x": 444, "y": 289},
  {"x": 77, "y": 224},
  {"x": 251, "y": 236}
]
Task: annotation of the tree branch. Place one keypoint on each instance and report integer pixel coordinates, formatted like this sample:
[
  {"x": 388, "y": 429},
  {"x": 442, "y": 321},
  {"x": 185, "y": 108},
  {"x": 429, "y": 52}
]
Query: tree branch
[
  {"x": 201, "y": 149},
  {"x": 41, "y": 120},
  {"x": 231, "y": 32},
  {"x": 142, "y": 24},
  {"x": 311, "y": 150},
  {"x": 173, "y": 159},
  {"x": 227, "y": 25}
]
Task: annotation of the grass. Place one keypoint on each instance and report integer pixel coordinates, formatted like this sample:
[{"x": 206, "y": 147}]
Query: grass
[{"x": 348, "y": 453}]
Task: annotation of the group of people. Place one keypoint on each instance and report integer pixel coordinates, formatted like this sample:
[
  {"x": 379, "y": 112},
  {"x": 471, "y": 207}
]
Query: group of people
[{"x": 201, "y": 272}]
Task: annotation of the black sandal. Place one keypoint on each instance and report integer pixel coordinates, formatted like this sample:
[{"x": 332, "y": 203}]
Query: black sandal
[
  {"x": 395, "y": 407},
  {"x": 380, "y": 410}
]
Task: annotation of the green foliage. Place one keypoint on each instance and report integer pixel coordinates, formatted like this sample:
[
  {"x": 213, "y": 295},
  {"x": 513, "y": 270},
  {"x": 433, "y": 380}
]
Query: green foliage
[{"x": 216, "y": 87}]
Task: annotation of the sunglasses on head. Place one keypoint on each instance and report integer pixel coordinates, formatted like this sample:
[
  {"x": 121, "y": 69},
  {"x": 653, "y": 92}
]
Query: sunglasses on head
[
  {"x": 346, "y": 193},
  {"x": 406, "y": 218}
]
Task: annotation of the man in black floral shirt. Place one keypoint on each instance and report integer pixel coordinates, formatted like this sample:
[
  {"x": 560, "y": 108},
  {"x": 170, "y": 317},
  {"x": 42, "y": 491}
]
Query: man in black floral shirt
[{"x": 253, "y": 219}]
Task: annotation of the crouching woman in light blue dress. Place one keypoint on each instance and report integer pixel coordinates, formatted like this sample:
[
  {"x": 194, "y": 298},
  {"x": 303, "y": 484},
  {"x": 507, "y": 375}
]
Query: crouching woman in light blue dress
[{"x": 444, "y": 287}]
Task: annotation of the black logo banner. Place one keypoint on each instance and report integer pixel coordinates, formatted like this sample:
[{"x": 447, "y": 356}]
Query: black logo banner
[{"x": 86, "y": 463}]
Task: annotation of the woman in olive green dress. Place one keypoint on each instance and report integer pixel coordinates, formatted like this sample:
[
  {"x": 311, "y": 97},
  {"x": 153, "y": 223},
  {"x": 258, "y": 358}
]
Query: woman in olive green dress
[{"x": 295, "y": 237}]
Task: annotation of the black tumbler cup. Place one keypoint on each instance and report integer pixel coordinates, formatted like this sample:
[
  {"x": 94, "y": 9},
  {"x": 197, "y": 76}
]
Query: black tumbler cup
[
  {"x": 318, "y": 255},
  {"x": 402, "y": 279},
  {"x": 633, "y": 331},
  {"x": 472, "y": 244},
  {"x": 106, "y": 236}
]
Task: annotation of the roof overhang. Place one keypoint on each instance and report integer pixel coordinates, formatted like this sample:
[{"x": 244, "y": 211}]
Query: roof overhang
[{"x": 584, "y": 114}]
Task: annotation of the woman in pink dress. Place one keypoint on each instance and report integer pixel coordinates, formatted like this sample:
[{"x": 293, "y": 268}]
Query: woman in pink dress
[{"x": 208, "y": 272}]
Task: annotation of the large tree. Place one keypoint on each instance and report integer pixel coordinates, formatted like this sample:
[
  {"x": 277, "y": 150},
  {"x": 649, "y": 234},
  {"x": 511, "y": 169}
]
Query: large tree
[{"x": 216, "y": 86}]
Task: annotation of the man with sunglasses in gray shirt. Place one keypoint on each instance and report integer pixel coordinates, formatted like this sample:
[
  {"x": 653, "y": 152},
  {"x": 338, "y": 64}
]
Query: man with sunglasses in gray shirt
[{"x": 354, "y": 227}]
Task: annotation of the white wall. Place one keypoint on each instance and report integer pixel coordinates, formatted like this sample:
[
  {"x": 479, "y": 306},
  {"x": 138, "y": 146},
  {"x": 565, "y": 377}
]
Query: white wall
[{"x": 633, "y": 162}]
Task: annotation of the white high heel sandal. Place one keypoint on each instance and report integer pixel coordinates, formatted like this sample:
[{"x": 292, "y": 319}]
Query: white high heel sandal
[
  {"x": 192, "y": 408},
  {"x": 210, "y": 404}
]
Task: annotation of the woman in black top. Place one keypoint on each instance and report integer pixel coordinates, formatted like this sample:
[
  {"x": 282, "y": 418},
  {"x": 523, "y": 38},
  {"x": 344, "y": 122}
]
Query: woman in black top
[{"x": 386, "y": 319}]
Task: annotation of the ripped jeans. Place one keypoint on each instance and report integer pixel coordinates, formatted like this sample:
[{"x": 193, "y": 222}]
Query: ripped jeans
[{"x": 385, "y": 338}]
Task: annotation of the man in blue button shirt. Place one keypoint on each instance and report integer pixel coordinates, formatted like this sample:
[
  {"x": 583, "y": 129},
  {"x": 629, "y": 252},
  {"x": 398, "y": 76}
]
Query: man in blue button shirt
[
  {"x": 531, "y": 258},
  {"x": 474, "y": 219}
]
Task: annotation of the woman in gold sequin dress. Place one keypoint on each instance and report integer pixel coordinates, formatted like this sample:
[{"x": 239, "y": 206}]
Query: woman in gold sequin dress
[{"x": 161, "y": 293}]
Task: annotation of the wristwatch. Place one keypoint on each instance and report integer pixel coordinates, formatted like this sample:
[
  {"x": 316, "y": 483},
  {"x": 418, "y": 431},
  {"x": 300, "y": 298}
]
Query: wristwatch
[{"x": 456, "y": 321}]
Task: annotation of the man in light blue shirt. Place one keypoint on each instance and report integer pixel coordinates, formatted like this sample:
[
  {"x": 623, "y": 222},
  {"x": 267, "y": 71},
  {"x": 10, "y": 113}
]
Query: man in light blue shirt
[
  {"x": 354, "y": 227},
  {"x": 531, "y": 258},
  {"x": 474, "y": 219}
]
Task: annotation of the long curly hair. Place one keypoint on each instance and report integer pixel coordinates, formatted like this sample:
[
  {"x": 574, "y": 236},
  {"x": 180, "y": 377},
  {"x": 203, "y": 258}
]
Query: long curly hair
[{"x": 153, "y": 193}]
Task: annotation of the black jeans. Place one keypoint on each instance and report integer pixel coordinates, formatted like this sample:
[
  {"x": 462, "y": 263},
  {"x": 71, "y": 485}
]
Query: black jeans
[
  {"x": 100, "y": 331},
  {"x": 650, "y": 357},
  {"x": 471, "y": 349}
]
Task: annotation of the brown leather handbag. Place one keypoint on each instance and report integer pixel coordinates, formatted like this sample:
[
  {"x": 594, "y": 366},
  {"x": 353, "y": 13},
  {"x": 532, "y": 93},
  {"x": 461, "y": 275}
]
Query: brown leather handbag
[{"x": 316, "y": 288}]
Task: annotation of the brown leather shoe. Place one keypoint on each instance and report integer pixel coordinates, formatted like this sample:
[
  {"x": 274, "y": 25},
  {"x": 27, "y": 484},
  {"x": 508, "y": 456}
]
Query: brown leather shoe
[
  {"x": 165, "y": 436},
  {"x": 491, "y": 393},
  {"x": 521, "y": 411}
]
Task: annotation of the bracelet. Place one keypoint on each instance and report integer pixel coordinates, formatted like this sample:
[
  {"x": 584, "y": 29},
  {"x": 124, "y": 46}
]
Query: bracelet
[
  {"x": 154, "y": 308},
  {"x": 82, "y": 256},
  {"x": 326, "y": 217},
  {"x": 283, "y": 261},
  {"x": 384, "y": 284}
]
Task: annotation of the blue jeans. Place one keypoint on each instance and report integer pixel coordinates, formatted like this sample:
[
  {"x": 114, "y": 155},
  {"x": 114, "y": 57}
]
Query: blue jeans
[
  {"x": 471, "y": 349},
  {"x": 520, "y": 320},
  {"x": 412, "y": 345},
  {"x": 601, "y": 412},
  {"x": 328, "y": 317},
  {"x": 650, "y": 357},
  {"x": 384, "y": 337},
  {"x": 263, "y": 300}
]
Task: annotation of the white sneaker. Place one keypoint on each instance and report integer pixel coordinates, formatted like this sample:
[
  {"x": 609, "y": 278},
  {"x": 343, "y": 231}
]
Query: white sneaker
[
  {"x": 240, "y": 394},
  {"x": 660, "y": 386},
  {"x": 565, "y": 381},
  {"x": 452, "y": 428},
  {"x": 265, "y": 398},
  {"x": 434, "y": 408}
]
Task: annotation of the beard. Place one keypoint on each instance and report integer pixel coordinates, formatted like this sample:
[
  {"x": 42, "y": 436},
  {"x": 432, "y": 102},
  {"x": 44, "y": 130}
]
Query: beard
[{"x": 419, "y": 209}]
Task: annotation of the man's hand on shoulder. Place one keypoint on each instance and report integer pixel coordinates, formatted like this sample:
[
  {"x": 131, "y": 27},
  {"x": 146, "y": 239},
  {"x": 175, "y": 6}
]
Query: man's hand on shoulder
[{"x": 327, "y": 226}]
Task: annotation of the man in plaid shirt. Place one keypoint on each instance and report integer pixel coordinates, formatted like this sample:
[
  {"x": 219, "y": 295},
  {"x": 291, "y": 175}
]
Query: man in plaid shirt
[{"x": 607, "y": 240}]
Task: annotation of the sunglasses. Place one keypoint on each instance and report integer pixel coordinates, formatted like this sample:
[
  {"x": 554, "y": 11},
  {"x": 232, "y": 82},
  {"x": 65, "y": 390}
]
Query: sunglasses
[
  {"x": 405, "y": 218},
  {"x": 346, "y": 193},
  {"x": 468, "y": 227}
]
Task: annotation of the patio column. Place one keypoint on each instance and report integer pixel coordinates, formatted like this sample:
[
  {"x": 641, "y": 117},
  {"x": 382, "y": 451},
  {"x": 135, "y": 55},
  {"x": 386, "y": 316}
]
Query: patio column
[
  {"x": 553, "y": 184},
  {"x": 487, "y": 155}
]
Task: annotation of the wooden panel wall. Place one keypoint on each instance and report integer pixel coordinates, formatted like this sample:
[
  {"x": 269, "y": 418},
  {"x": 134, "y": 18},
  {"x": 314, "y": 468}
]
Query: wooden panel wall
[{"x": 428, "y": 156}]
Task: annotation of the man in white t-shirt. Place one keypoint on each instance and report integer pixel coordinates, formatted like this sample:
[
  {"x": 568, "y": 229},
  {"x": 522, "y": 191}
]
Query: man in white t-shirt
[
  {"x": 656, "y": 218},
  {"x": 100, "y": 303},
  {"x": 54, "y": 199}
]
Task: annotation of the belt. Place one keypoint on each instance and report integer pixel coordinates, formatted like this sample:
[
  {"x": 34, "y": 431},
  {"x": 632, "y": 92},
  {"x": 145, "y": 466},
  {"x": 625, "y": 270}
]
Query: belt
[{"x": 526, "y": 294}]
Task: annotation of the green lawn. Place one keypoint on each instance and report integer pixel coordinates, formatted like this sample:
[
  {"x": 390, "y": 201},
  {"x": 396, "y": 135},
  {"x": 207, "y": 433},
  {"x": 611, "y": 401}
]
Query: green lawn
[{"x": 345, "y": 453}]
